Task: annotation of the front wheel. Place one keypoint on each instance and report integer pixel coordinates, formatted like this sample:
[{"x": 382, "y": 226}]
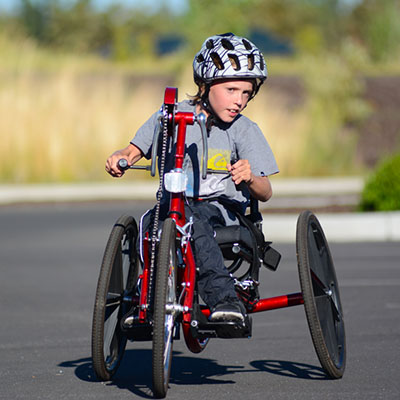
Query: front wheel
[
  {"x": 118, "y": 275},
  {"x": 321, "y": 295},
  {"x": 164, "y": 308}
]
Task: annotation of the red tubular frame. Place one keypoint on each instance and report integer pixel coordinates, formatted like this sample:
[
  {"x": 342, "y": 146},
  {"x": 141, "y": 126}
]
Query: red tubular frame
[{"x": 273, "y": 303}]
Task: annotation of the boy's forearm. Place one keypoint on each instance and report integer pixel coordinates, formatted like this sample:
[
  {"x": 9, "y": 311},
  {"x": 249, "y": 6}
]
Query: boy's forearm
[
  {"x": 260, "y": 187},
  {"x": 132, "y": 153}
]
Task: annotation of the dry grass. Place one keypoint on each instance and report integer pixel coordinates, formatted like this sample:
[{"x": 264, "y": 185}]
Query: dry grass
[
  {"x": 59, "y": 127},
  {"x": 61, "y": 116}
]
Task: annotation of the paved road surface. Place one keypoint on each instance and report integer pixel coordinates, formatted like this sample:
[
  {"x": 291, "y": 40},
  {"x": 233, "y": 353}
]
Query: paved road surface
[{"x": 49, "y": 262}]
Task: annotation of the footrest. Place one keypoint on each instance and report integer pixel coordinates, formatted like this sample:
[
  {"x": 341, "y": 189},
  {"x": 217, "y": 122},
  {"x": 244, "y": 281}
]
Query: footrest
[{"x": 223, "y": 330}]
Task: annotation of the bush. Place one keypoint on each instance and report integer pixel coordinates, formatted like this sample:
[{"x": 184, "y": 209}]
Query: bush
[{"x": 382, "y": 190}]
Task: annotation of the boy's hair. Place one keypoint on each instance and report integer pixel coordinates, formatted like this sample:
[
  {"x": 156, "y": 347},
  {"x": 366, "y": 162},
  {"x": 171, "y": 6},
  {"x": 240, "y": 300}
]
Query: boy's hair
[{"x": 196, "y": 99}]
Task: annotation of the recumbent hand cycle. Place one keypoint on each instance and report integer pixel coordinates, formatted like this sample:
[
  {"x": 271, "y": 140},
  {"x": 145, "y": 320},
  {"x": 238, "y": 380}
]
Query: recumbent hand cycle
[{"x": 158, "y": 290}]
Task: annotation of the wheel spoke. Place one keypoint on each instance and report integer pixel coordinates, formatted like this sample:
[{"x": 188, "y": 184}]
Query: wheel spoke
[
  {"x": 109, "y": 330},
  {"x": 125, "y": 252},
  {"x": 335, "y": 310},
  {"x": 328, "y": 325},
  {"x": 116, "y": 279},
  {"x": 169, "y": 326},
  {"x": 319, "y": 287},
  {"x": 113, "y": 299}
]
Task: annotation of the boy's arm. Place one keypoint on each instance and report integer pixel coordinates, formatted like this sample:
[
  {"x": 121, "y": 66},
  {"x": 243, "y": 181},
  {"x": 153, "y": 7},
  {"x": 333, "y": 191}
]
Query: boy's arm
[
  {"x": 131, "y": 153},
  {"x": 259, "y": 186}
]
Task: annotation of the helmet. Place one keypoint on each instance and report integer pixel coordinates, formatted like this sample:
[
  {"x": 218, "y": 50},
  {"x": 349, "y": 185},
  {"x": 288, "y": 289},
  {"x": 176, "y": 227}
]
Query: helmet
[{"x": 229, "y": 56}]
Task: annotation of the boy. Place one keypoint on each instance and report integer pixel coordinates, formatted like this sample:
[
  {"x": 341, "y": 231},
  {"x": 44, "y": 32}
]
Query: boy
[{"x": 228, "y": 71}]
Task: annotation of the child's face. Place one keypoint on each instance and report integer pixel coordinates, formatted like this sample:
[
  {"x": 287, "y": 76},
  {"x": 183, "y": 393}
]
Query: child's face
[{"x": 228, "y": 98}]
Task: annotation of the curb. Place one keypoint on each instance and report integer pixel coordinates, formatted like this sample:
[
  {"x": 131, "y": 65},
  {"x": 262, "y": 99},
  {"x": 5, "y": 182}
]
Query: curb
[
  {"x": 338, "y": 227},
  {"x": 117, "y": 190},
  {"x": 303, "y": 188},
  {"x": 307, "y": 193}
]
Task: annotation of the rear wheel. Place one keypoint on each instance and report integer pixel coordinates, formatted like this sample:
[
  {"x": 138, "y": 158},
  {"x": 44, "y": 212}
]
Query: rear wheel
[
  {"x": 321, "y": 295},
  {"x": 118, "y": 275},
  {"x": 164, "y": 310}
]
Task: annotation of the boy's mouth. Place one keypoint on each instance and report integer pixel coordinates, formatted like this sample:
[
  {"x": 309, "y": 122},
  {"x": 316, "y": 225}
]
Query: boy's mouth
[{"x": 233, "y": 112}]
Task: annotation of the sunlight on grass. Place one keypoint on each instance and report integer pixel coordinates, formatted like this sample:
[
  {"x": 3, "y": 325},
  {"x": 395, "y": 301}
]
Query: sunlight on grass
[{"x": 62, "y": 115}]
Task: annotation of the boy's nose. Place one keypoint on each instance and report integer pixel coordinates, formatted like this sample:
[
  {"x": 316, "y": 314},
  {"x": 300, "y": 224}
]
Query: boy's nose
[{"x": 238, "y": 100}]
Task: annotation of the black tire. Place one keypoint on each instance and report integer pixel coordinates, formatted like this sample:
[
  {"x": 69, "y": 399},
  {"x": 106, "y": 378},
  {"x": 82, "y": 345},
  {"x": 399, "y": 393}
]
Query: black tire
[
  {"x": 321, "y": 295},
  {"x": 164, "y": 320},
  {"x": 118, "y": 276}
]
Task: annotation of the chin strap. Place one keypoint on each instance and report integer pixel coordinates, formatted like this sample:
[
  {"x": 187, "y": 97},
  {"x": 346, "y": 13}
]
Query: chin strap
[{"x": 205, "y": 103}]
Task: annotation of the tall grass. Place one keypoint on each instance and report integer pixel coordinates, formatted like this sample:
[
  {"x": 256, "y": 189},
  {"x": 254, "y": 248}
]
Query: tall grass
[{"x": 61, "y": 116}]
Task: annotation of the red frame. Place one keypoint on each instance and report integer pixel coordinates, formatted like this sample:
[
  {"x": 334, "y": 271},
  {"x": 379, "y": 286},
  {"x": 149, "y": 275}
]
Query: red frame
[{"x": 187, "y": 275}]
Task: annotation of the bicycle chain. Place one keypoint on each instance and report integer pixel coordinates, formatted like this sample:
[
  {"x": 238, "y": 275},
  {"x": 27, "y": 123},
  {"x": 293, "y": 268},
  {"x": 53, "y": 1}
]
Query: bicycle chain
[{"x": 159, "y": 197}]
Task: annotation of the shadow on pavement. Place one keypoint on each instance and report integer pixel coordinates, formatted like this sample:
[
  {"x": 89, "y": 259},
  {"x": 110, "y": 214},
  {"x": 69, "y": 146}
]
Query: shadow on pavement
[
  {"x": 290, "y": 369},
  {"x": 134, "y": 373}
]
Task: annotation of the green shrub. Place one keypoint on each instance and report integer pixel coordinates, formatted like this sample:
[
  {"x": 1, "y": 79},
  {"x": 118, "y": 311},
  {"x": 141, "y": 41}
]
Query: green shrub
[{"x": 382, "y": 190}]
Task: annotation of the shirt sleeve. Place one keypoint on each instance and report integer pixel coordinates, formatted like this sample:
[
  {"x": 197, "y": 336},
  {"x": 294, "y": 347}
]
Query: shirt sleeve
[
  {"x": 144, "y": 136},
  {"x": 252, "y": 145}
]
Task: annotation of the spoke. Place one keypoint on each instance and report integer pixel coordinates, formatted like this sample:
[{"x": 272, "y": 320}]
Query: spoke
[
  {"x": 125, "y": 260},
  {"x": 169, "y": 323},
  {"x": 109, "y": 330},
  {"x": 335, "y": 309},
  {"x": 318, "y": 282},
  {"x": 328, "y": 325},
  {"x": 113, "y": 299},
  {"x": 116, "y": 275}
]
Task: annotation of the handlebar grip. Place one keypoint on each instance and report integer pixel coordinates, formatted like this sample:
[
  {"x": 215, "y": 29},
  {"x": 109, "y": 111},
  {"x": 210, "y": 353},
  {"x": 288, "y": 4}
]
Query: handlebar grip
[{"x": 123, "y": 164}]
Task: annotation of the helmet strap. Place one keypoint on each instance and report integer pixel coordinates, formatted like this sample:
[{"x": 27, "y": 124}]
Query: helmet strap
[{"x": 205, "y": 103}]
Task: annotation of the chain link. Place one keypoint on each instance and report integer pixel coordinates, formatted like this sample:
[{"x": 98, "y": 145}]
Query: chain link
[{"x": 159, "y": 197}]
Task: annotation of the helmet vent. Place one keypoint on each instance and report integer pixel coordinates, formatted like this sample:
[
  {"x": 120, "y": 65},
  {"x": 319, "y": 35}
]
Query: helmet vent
[
  {"x": 217, "y": 60},
  {"x": 210, "y": 44},
  {"x": 246, "y": 44},
  {"x": 233, "y": 58},
  {"x": 250, "y": 62},
  {"x": 200, "y": 58},
  {"x": 227, "y": 44}
]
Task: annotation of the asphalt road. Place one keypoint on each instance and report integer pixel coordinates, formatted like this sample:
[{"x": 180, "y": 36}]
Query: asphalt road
[{"x": 49, "y": 263}]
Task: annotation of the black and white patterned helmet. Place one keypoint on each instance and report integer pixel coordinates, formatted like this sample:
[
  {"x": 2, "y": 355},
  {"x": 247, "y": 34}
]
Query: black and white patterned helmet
[{"x": 229, "y": 56}]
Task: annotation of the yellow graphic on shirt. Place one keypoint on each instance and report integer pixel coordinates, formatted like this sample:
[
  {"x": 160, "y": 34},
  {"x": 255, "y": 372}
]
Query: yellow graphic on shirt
[{"x": 218, "y": 158}]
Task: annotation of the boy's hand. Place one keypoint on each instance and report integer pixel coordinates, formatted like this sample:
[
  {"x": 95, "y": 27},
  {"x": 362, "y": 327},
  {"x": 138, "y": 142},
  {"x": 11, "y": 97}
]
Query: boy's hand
[
  {"x": 112, "y": 165},
  {"x": 241, "y": 172}
]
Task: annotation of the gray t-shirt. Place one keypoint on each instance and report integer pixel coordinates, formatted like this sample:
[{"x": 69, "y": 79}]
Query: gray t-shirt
[{"x": 241, "y": 139}]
